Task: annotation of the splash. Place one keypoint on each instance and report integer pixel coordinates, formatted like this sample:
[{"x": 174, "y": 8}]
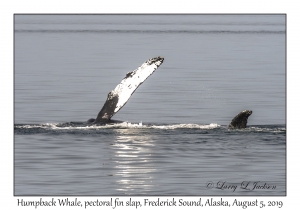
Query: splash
[
  {"x": 186, "y": 126},
  {"x": 77, "y": 127},
  {"x": 81, "y": 128}
]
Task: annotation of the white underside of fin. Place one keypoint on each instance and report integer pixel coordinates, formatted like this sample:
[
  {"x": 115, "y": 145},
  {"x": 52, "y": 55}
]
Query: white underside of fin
[
  {"x": 119, "y": 96},
  {"x": 129, "y": 84}
]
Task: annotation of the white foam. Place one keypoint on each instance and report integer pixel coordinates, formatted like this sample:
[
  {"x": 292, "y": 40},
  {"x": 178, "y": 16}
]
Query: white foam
[
  {"x": 123, "y": 125},
  {"x": 188, "y": 126},
  {"x": 165, "y": 127},
  {"x": 259, "y": 129}
]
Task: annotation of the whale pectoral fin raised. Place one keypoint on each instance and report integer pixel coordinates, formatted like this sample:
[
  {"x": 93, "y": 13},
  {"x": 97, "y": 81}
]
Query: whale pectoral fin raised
[
  {"x": 240, "y": 120},
  {"x": 118, "y": 97},
  {"x": 109, "y": 107}
]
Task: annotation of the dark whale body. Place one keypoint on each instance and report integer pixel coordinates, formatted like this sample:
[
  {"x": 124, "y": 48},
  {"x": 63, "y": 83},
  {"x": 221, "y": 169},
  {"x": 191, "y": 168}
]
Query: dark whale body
[{"x": 240, "y": 121}]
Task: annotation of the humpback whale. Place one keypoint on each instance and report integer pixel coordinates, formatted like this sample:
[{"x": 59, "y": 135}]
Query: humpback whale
[
  {"x": 119, "y": 96},
  {"x": 240, "y": 121}
]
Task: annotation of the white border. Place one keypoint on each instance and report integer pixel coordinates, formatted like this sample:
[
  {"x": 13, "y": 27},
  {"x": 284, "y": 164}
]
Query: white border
[{"x": 8, "y": 8}]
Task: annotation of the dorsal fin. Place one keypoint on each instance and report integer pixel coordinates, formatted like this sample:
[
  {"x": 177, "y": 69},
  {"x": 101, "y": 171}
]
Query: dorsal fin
[
  {"x": 240, "y": 121},
  {"x": 118, "y": 97}
]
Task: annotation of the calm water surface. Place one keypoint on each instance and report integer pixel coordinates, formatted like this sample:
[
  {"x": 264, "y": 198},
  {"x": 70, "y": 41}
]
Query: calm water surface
[{"x": 174, "y": 140}]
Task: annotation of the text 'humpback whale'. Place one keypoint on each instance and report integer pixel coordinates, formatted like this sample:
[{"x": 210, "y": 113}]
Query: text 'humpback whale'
[
  {"x": 119, "y": 96},
  {"x": 240, "y": 121}
]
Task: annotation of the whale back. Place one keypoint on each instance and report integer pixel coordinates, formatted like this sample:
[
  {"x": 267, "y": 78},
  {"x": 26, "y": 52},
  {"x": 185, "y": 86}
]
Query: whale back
[
  {"x": 240, "y": 120},
  {"x": 119, "y": 96}
]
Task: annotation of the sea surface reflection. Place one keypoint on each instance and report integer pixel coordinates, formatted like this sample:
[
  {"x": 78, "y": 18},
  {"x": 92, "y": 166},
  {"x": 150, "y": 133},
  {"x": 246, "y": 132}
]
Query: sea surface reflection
[{"x": 133, "y": 161}]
